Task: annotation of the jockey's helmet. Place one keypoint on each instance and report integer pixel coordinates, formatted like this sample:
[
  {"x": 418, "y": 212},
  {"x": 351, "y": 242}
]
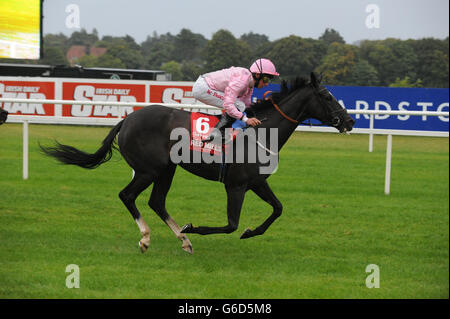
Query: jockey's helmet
[{"x": 264, "y": 66}]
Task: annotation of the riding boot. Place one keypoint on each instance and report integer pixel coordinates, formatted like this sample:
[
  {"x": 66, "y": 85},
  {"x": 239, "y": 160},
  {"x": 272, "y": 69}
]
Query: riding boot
[{"x": 219, "y": 130}]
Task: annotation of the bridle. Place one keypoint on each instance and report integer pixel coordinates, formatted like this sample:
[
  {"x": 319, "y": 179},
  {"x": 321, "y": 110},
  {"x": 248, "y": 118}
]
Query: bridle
[
  {"x": 333, "y": 114},
  {"x": 269, "y": 98}
]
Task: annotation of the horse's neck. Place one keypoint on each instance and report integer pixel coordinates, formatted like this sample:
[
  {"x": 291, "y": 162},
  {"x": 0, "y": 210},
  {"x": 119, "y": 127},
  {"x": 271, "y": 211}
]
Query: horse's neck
[{"x": 293, "y": 107}]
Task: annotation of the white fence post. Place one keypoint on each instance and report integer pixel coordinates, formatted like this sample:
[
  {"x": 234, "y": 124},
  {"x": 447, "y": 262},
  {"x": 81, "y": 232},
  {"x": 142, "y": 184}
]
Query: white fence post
[
  {"x": 371, "y": 134},
  {"x": 387, "y": 179},
  {"x": 25, "y": 150}
]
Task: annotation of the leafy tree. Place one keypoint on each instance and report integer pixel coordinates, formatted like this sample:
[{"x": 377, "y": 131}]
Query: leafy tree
[
  {"x": 363, "y": 74},
  {"x": 82, "y": 38},
  {"x": 224, "y": 50},
  {"x": 254, "y": 40},
  {"x": 406, "y": 83},
  {"x": 56, "y": 41},
  {"x": 432, "y": 61},
  {"x": 104, "y": 61},
  {"x": 158, "y": 50},
  {"x": 188, "y": 46},
  {"x": 392, "y": 58},
  {"x": 191, "y": 70},
  {"x": 187, "y": 55},
  {"x": 132, "y": 59},
  {"x": 174, "y": 69},
  {"x": 53, "y": 56},
  {"x": 330, "y": 36},
  {"x": 295, "y": 56},
  {"x": 338, "y": 64},
  {"x": 88, "y": 61}
]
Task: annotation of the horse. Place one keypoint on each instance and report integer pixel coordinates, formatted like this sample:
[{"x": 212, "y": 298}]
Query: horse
[
  {"x": 3, "y": 116},
  {"x": 145, "y": 143}
]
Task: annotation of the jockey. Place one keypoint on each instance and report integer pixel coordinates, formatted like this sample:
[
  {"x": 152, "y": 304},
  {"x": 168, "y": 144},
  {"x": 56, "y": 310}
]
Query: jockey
[{"x": 231, "y": 89}]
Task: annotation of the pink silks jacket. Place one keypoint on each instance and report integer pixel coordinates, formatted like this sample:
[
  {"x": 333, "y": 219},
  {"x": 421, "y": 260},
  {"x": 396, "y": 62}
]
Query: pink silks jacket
[{"x": 236, "y": 83}]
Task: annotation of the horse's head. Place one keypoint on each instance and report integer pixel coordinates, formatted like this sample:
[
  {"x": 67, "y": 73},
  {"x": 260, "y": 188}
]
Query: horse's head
[{"x": 326, "y": 108}]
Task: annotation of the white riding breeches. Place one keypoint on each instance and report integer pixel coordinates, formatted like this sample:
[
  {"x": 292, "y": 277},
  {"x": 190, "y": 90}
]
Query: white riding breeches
[{"x": 205, "y": 94}]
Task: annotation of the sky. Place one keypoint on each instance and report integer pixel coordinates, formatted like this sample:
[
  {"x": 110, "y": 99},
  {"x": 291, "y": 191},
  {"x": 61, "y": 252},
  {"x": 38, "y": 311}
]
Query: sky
[{"x": 354, "y": 19}]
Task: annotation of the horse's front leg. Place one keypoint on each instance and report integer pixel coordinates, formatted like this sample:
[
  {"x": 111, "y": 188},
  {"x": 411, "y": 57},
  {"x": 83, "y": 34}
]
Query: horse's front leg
[
  {"x": 263, "y": 191},
  {"x": 235, "y": 198}
]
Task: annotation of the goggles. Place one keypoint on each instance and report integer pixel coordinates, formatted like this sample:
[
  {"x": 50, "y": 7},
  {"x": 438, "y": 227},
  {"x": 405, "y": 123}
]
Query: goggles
[{"x": 266, "y": 78}]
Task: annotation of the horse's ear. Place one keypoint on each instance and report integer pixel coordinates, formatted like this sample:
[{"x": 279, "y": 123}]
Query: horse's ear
[
  {"x": 314, "y": 81},
  {"x": 319, "y": 79}
]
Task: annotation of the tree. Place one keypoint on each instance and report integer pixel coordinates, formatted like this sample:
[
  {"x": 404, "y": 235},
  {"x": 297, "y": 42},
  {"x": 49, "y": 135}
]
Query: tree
[
  {"x": 53, "y": 56},
  {"x": 254, "y": 40},
  {"x": 190, "y": 70},
  {"x": 132, "y": 59},
  {"x": 157, "y": 50},
  {"x": 330, "y": 36},
  {"x": 294, "y": 56},
  {"x": 104, "y": 61},
  {"x": 188, "y": 46},
  {"x": 338, "y": 64},
  {"x": 432, "y": 57},
  {"x": 363, "y": 74},
  {"x": 56, "y": 41},
  {"x": 392, "y": 58},
  {"x": 82, "y": 38},
  {"x": 224, "y": 50},
  {"x": 174, "y": 69},
  {"x": 406, "y": 83}
]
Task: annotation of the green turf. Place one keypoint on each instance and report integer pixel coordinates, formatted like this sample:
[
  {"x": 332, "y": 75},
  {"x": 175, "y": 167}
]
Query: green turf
[{"x": 336, "y": 221}]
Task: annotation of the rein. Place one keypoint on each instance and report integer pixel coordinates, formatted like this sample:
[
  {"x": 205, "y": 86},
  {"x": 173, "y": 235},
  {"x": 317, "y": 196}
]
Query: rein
[
  {"x": 333, "y": 114},
  {"x": 278, "y": 108}
]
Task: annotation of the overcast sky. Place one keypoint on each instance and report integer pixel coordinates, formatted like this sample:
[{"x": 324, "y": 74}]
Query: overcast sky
[{"x": 353, "y": 19}]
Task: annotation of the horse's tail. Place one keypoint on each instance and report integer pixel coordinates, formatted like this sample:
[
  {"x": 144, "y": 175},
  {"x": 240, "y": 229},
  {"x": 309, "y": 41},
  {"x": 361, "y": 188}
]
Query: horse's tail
[{"x": 70, "y": 155}]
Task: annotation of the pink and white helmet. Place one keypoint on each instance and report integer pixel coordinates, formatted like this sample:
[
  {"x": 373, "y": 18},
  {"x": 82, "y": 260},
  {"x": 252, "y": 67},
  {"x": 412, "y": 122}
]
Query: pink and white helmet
[{"x": 264, "y": 66}]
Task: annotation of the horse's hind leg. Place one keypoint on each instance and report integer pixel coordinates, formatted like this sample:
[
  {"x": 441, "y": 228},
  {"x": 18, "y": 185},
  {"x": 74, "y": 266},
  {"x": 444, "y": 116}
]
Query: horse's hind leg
[
  {"x": 158, "y": 203},
  {"x": 128, "y": 196}
]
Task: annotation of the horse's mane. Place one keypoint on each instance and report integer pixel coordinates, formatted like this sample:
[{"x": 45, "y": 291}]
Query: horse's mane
[{"x": 285, "y": 90}]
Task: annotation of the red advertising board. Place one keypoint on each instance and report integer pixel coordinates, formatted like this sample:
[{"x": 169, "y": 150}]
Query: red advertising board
[
  {"x": 170, "y": 93},
  {"x": 27, "y": 90},
  {"x": 93, "y": 91}
]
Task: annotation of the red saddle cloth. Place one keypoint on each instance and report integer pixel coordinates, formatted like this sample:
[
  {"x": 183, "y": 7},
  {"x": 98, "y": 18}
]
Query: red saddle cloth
[{"x": 201, "y": 126}]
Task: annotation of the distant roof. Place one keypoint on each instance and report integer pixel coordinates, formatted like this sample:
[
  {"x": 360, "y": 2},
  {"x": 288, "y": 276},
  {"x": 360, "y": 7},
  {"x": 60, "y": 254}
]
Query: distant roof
[{"x": 12, "y": 69}]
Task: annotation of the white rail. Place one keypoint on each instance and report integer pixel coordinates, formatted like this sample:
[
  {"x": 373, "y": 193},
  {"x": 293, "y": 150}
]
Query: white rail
[{"x": 25, "y": 119}]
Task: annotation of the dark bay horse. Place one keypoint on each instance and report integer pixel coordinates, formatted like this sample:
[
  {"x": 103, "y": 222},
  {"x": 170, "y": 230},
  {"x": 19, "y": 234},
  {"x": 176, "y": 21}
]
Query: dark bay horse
[
  {"x": 145, "y": 143},
  {"x": 3, "y": 116}
]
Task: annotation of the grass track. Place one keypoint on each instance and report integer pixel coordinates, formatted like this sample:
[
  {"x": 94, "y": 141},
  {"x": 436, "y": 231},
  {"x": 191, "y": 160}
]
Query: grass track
[{"x": 336, "y": 220}]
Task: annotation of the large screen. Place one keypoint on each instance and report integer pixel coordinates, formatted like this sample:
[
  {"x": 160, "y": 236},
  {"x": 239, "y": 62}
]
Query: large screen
[{"x": 20, "y": 29}]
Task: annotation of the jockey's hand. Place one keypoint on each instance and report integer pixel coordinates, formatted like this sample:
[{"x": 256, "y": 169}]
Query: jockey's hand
[{"x": 253, "y": 122}]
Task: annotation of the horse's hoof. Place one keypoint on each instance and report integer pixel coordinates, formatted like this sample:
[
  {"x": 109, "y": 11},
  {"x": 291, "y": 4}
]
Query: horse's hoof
[
  {"x": 247, "y": 234},
  {"x": 188, "y": 248},
  {"x": 143, "y": 247},
  {"x": 186, "y": 228}
]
